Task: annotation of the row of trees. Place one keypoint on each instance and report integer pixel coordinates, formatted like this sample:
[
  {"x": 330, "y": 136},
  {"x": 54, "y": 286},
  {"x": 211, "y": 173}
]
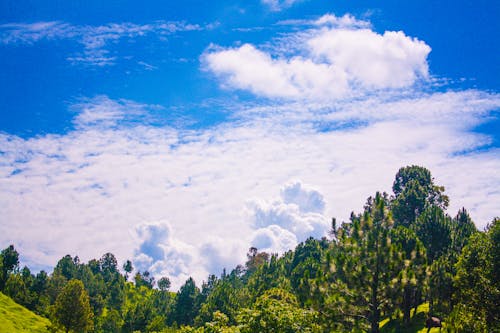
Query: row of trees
[{"x": 402, "y": 250}]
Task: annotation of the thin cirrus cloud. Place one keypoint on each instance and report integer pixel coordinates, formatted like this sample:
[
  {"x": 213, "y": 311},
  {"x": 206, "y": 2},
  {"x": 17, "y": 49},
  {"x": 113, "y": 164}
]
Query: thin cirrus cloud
[
  {"x": 277, "y": 5},
  {"x": 95, "y": 40},
  {"x": 338, "y": 58}
]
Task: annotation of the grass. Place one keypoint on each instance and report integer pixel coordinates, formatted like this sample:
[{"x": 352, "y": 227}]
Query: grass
[
  {"x": 417, "y": 323},
  {"x": 16, "y": 318}
]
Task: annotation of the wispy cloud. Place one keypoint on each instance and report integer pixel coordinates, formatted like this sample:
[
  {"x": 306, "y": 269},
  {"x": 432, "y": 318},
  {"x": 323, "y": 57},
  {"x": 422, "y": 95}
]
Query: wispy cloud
[
  {"x": 277, "y": 5},
  {"x": 222, "y": 189},
  {"x": 95, "y": 40}
]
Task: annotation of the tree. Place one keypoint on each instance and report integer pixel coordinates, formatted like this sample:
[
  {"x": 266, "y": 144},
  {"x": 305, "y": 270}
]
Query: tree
[
  {"x": 66, "y": 267},
  {"x": 128, "y": 268},
  {"x": 72, "y": 308},
  {"x": 186, "y": 306},
  {"x": 144, "y": 279},
  {"x": 255, "y": 259},
  {"x": 412, "y": 271},
  {"x": 164, "y": 283},
  {"x": 9, "y": 261},
  {"x": 414, "y": 191},
  {"x": 477, "y": 283},
  {"x": 16, "y": 288},
  {"x": 433, "y": 228},
  {"x": 462, "y": 228},
  {"x": 277, "y": 311},
  {"x": 364, "y": 263}
]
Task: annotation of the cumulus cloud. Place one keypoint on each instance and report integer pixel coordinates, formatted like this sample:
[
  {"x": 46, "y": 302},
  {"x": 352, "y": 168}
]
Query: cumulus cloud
[
  {"x": 95, "y": 40},
  {"x": 163, "y": 255},
  {"x": 274, "y": 239},
  {"x": 339, "y": 58},
  {"x": 282, "y": 223}
]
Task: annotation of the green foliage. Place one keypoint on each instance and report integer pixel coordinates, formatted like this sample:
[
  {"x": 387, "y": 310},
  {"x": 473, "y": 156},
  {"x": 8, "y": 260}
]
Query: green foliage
[
  {"x": 72, "y": 308},
  {"x": 433, "y": 228},
  {"x": 226, "y": 295},
  {"x": 410, "y": 282},
  {"x": 364, "y": 267},
  {"x": 277, "y": 311},
  {"x": 477, "y": 283},
  {"x": 414, "y": 191},
  {"x": 9, "y": 261},
  {"x": 186, "y": 306}
]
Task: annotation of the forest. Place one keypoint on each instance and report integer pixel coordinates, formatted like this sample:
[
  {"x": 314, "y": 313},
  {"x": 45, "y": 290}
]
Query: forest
[{"x": 401, "y": 251}]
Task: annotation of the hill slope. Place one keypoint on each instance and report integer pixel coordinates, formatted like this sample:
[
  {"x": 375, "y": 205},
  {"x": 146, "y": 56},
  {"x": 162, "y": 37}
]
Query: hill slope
[
  {"x": 417, "y": 323},
  {"x": 16, "y": 318}
]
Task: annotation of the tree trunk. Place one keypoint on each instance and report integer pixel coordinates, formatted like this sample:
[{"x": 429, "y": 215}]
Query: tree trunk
[
  {"x": 407, "y": 305},
  {"x": 374, "y": 306}
]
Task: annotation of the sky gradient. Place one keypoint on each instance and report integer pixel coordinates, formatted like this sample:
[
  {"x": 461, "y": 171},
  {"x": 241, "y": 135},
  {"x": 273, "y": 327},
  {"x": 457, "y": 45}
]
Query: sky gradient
[{"x": 179, "y": 134}]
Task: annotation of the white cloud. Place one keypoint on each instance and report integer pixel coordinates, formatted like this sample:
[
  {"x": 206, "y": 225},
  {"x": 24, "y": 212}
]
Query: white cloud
[
  {"x": 95, "y": 40},
  {"x": 308, "y": 200},
  {"x": 163, "y": 255},
  {"x": 346, "y": 21},
  {"x": 293, "y": 218},
  {"x": 274, "y": 239},
  {"x": 339, "y": 58},
  {"x": 96, "y": 189},
  {"x": 277, "y": 5}
]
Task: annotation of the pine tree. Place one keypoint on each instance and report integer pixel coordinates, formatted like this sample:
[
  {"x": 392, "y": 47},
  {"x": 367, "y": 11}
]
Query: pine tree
[{"x": 72, "y": 308}]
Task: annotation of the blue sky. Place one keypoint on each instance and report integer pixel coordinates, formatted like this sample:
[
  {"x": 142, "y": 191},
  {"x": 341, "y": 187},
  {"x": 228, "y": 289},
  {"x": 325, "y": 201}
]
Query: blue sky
[{"x": 178, "y": 133}]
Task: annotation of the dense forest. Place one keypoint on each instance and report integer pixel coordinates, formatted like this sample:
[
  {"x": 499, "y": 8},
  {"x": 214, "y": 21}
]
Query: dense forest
[{"x": 401, "y": 251}]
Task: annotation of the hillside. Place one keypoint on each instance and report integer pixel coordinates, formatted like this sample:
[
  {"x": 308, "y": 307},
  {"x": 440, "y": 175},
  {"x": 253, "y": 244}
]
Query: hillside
[
  {"x": 417, "y": 323},
  {"x": 16, "y": 318}
]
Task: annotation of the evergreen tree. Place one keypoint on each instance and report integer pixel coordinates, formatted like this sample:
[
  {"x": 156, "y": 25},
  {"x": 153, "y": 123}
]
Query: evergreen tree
[
  {"x": 365, "y": 263},
  {"x": 72, "y": 308},
  {"x": 186, "y": 305}
]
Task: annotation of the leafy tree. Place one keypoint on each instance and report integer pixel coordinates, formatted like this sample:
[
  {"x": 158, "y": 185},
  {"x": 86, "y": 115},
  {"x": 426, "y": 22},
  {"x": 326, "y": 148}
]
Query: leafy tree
[
  {"x": 67, "y": 267},
  {"x": 16, "y": 288},
  {"x": 139, "y": 316},
  {"x": 72, "y": 308},
  {"x": 9, "y": 261},
  {"x": 164, "y": 283},
  {"x": 112, "y": 322},
  {"x": 226, "y": 295},
  {"x": 277, "y": 311},
  {"x": 414, "y": 191},
  {"x": 128, "y": 268},
  {"x": 477, "y": 283},
  {"x": 255, "y": 259},
  {"x": 144, "y": 279}
]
